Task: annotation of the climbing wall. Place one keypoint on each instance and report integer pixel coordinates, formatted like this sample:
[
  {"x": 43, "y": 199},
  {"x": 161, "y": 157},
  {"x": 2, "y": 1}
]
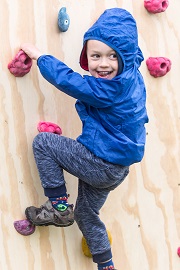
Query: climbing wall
[{"x": 143, "y": 213}]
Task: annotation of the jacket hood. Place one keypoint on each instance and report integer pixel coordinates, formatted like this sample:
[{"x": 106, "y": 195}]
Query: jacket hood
[{"x": 116, "y": 28}]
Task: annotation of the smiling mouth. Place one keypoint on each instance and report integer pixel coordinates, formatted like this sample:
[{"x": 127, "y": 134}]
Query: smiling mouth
[{"x": 104, "y": 73}]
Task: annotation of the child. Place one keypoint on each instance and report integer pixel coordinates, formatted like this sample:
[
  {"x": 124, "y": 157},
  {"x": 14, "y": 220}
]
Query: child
[{"x": 111, "y": 106}]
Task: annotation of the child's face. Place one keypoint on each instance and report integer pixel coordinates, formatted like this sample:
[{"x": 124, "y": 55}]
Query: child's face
[{"x": 102, "y": 60}]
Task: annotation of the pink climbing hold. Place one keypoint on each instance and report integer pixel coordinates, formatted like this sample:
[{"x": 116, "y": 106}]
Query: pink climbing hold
[
  {"x": 20, "y": 65},
  {"x": 24, "y": 227},
  {"x": 156, "y": 6},
  {"x": 158, "y": 66},
  {"x": 49, "y": 127},
  {"x": 178, "y": 251}
]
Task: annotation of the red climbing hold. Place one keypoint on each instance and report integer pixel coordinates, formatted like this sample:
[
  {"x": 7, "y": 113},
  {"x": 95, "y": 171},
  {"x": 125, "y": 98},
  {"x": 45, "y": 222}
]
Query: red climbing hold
[
  {"x": 158, "y": 66},
  {"x": 24, "y": 227},
  {"x": 156, "y": 6},
  {"x": 178, "y": 251},
  {"x": 49, "y": 127},
  {"x": 20, "y": 65}
]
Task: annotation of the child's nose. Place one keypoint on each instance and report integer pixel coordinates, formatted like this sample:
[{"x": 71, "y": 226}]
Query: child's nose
[{"x": 104, "y": 62}]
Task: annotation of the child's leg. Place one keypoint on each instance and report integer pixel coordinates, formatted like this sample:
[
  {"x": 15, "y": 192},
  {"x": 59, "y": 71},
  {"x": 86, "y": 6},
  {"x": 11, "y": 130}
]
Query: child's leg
[
  {"x": 89, "y": 202},
  {"x": 53, "y": 154}
]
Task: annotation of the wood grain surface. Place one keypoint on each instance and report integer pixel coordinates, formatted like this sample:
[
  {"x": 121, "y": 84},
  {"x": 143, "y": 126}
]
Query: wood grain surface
[{"x": 143, "y": 214}]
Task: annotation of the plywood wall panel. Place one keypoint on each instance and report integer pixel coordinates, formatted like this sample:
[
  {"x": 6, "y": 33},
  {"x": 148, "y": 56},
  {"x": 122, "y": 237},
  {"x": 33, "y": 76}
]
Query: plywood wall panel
[{"x": 143, "y": 213}]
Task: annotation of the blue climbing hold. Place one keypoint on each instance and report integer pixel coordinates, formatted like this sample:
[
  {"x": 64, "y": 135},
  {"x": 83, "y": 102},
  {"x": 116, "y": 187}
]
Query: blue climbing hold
[{"x": 63, "y": 20}]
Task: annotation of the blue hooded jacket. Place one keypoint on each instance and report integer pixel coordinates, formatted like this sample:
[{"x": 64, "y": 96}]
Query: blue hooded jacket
[{"x": 113, "y": 112}]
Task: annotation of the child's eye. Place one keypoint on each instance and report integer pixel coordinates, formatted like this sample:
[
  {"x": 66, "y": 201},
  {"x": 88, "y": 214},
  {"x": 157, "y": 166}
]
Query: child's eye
[
  {"x": 95, "y": 56},
  {"x": 113, "y": 56}
]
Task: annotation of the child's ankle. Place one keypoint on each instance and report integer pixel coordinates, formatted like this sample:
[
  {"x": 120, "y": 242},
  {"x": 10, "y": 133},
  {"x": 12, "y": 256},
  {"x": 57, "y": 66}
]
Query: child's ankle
[
  {"x": 60, "y": 203},
  {"x": 106, "y": 265}
]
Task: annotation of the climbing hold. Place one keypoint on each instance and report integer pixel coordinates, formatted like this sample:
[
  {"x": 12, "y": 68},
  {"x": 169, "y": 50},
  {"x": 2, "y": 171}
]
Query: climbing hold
[
  {"x": 63, "y": 20},
  {"x": 178, "y": 251},
  {"x": 158, "y": 66},
  {"x": 85, "y": 247},
  {"x": 49, "y": 127},
  {"x": 156, "y": 6},
  {"x": 20, "y": 65},
  {"x": 24, "y": 227}
]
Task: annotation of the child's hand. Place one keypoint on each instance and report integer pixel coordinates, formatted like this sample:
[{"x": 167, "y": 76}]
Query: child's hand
[{"x": 33, "y": 52}]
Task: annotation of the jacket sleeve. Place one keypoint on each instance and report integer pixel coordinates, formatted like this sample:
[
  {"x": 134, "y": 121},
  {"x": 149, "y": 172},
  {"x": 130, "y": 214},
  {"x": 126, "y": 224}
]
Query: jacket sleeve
[{"x": 87, "y": 89}]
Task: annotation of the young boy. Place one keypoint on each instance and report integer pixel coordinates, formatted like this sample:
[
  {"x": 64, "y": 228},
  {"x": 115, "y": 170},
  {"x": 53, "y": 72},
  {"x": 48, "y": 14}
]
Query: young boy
[{"x": 111, "y": 106}]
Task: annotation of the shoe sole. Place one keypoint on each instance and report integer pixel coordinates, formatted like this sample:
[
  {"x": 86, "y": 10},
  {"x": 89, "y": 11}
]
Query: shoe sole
[{"x": 47, "y": 223}]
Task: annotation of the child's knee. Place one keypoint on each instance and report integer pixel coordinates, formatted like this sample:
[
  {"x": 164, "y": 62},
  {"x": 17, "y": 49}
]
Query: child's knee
[
  {"x": 36, "y": 139},
  {"x": 39, "y": 140}
]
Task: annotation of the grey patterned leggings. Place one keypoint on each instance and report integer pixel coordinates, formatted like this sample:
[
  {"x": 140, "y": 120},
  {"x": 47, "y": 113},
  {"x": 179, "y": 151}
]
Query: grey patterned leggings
[{"x": 53, "y": 154}]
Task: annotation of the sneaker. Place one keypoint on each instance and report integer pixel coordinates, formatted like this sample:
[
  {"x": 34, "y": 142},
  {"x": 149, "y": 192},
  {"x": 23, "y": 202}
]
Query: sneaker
[{"x": 47, "y": 215}]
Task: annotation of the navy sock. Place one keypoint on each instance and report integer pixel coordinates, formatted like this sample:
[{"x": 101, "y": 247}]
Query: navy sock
[
  {"x": 106, "y": 265},
  {"x": 60, "y": 203}
]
